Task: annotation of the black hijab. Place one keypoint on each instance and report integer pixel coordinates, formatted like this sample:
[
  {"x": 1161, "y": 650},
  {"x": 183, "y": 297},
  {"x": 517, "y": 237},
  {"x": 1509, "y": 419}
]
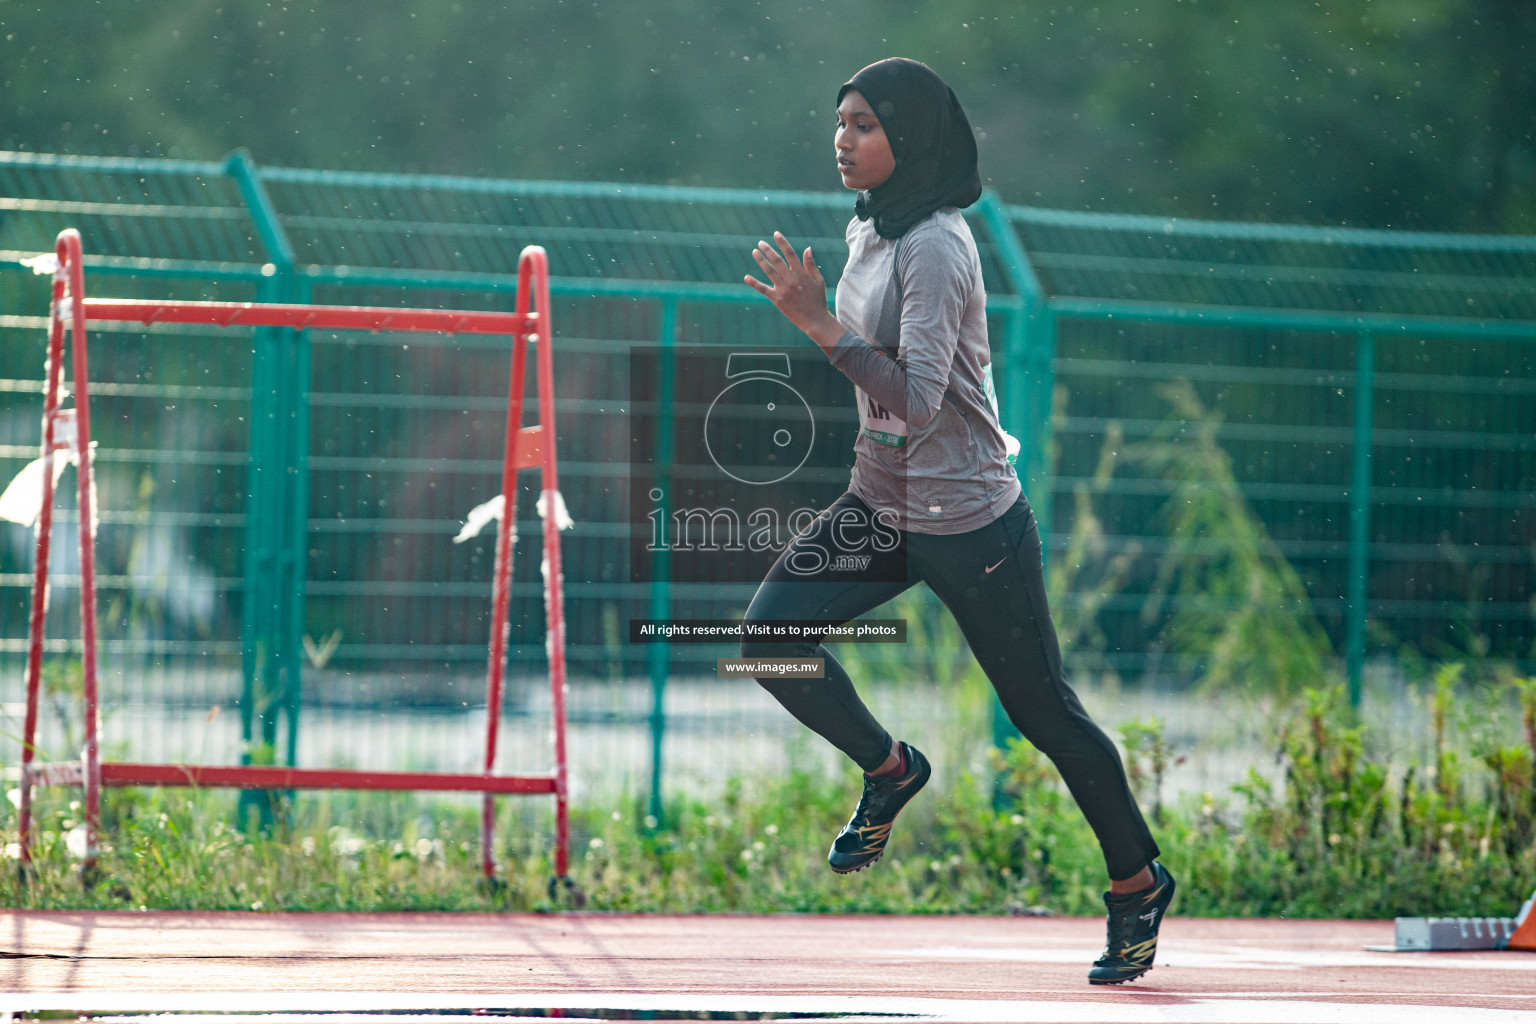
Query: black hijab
[{"x": 930, "y": 138}]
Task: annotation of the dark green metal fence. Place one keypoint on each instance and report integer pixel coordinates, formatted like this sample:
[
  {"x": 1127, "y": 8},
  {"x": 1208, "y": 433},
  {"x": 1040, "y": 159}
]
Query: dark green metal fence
[
  {"x": 278, "y": 507},
  {"x": 1376, "y": 392}
]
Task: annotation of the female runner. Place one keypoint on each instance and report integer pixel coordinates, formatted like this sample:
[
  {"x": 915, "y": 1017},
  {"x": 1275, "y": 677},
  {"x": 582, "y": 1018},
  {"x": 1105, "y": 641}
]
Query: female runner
[{"x": 932, "y": 496}]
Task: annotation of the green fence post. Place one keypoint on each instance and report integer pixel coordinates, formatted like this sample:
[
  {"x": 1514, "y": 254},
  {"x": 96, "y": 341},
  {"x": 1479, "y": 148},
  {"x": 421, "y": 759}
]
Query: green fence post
[
  {"x": 294, "y": 557},
  {"x": 1034, "y": 416},
  {"x": 1029, "y": 348},
  {"x": 273, "y": 593},
  {"x": 1360, "y": 513},
  {"x": 659, "y": 654}
]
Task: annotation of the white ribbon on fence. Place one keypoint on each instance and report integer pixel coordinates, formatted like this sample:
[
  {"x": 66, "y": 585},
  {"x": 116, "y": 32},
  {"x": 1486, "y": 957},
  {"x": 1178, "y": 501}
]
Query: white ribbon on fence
[
  {"x": 42, "y": 263},
  {"x": 481, "y": 515},
  {"x": 22, "y": 501},
  {"x": 484, "y": 513}
]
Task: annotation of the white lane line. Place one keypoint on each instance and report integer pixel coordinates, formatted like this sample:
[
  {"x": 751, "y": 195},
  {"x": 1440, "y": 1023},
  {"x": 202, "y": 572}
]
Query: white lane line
[
  {"x": 1244, "y": 959},
  {"x": 1140, "y": 1009}
]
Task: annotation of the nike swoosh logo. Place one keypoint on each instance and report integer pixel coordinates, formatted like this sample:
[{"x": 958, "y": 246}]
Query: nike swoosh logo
[{"x": 1000, "y": 561}]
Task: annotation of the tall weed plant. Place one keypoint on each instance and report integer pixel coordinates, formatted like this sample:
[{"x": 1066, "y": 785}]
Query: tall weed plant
[
  {"x": 1237, "y": 606},
  {"x": 1345, "y": 832}
]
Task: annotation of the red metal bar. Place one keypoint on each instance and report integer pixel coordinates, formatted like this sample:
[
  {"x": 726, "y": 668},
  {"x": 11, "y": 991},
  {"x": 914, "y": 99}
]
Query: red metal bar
[
  {"x": 121, "y": 773},
  {"x": 69, "y": 257},
  {"x": 52, "y": 366},
  {"x": 554, "y": 581},
  {"x": 245, "y": 776},
  {"x": 58, "y": 773},
  {"x": 530, "y": 447},
  {"x": 301, "y": 317},
  {"x": 501, "y": 589},
  {"x": 525, "y": 447}
]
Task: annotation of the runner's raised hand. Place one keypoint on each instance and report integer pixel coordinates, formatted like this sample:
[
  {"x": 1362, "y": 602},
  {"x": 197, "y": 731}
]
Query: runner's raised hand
[{"x": 796, "y": 289}]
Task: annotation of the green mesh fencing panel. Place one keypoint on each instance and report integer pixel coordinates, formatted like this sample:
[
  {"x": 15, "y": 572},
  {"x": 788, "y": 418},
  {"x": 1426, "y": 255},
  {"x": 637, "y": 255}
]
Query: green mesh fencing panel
[
  {"x": 1308, "y": 348},
  {"x": 1279, "y": 267},
  {"x": 406, "y": 433},
  {"x": 279, "y": 509},
  {"x": 170, "y": 412}
]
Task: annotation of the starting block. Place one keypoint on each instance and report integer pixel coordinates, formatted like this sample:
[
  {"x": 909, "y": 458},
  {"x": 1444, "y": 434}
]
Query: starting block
[{"x": 1415, "y": 934}]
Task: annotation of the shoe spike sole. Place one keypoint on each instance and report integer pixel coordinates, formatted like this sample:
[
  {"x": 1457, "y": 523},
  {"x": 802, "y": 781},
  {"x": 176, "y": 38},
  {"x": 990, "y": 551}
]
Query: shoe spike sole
[
  {"x": 1117, "y": 981},
  {"x": 861, "y": 867}
]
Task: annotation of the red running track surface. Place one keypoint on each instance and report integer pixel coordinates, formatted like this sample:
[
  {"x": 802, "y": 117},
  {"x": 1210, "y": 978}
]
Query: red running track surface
[{"x": 940, "y": 968}]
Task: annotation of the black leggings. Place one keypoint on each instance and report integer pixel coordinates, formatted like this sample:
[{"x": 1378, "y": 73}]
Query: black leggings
[{"x": 991, "y": 580}]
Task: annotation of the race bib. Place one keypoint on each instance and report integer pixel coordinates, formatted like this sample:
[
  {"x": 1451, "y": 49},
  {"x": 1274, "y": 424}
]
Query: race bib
[
  {"x": 991, "y": 390},
  {"x": 878, "y": 423},
  {"x": 1011, "y": 446}
]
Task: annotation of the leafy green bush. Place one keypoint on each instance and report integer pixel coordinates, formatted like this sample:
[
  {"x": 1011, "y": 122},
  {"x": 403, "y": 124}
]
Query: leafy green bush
[
  {"x": 1341, "y": 832},
  {"x": 1346, "y": 835}
]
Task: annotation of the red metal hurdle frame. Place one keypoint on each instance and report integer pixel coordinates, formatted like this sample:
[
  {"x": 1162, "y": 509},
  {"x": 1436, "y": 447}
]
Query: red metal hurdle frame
[{"x": 525, "y": 448}]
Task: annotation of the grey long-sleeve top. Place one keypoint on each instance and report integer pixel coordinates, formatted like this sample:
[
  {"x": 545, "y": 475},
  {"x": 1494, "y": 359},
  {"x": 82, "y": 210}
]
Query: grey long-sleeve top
[{"x": 930, "y": 448}]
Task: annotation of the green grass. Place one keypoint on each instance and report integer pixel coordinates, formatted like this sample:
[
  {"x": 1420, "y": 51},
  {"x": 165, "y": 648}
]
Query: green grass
[{"x": 1341, "y": 833}]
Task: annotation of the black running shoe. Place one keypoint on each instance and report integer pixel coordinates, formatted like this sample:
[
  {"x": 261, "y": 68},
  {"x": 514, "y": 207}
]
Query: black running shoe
[
  {"x": 1133, "y": 924},
  {"x": 862, "y": 840}
]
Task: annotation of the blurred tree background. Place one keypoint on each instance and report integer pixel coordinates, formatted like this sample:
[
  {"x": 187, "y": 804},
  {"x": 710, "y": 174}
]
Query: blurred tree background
[{"x": 1415, "y": 114}]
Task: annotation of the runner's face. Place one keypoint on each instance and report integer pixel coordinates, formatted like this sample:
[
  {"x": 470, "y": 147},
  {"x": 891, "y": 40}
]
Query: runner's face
[{"x": 864, "y": 156}]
